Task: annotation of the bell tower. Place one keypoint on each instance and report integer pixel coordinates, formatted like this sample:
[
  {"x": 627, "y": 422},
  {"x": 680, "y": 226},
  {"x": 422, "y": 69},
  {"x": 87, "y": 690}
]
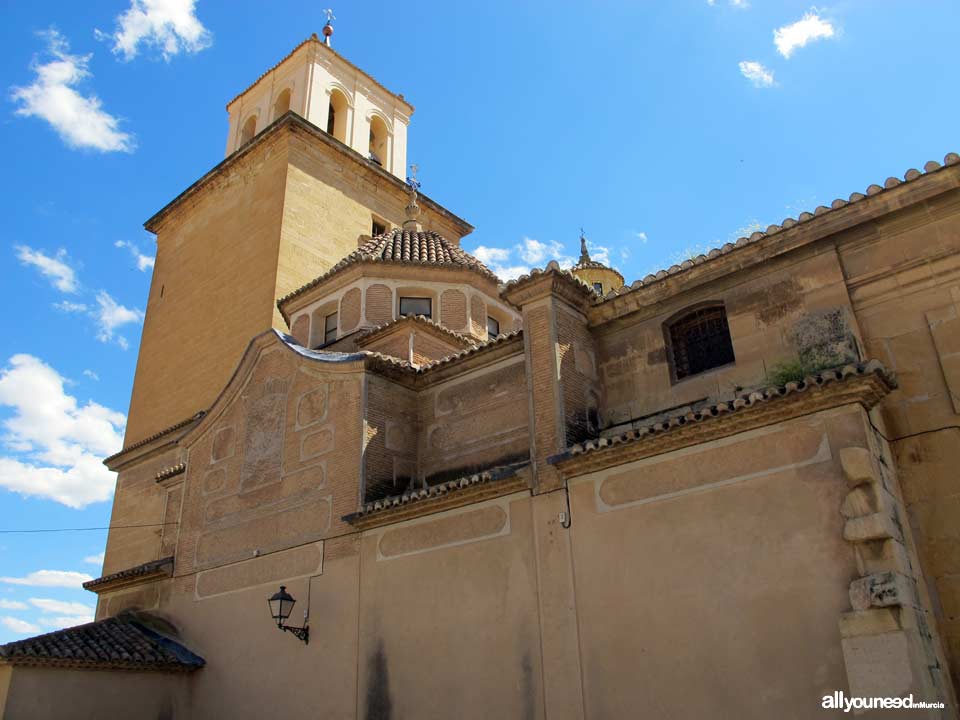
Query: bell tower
[
  {"x": 333, "y": 94},
  {"x": 316, "y": 154}
]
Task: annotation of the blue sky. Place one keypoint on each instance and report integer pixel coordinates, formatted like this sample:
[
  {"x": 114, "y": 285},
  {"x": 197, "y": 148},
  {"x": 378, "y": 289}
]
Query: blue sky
[{"x": 661, "y": 128}]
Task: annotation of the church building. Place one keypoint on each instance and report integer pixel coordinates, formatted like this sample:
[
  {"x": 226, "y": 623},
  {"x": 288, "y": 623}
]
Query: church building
[{"x": 364, "y": 477}]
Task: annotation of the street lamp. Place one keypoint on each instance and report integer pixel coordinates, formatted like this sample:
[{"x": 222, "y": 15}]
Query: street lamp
[{"x": 281, "y": 603}]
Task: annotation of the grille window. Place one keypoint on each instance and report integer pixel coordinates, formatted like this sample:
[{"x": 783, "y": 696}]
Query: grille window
[
  {"x": 493, "y": 327},
  {"x": 330, "y": 328},
  {"x": 700, "y": 341},
  {"x": 415, "y": 306}
]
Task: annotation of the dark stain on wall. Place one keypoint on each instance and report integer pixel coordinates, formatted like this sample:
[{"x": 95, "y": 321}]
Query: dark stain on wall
[
  {"x": 379, "y": 705},
  {"x": 527, "y": 688},
  {"x": 770, "y": 303}
]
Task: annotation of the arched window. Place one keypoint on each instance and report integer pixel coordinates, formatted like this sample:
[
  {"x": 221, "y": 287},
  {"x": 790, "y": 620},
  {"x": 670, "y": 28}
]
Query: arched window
[
  {"x": 337, "y": 116},
  {"x": 378, "y": 140},
  {"x": 282, "y": 104},
  {"x": 699, "y": 340},
  {"x": 249, "y": 130}
]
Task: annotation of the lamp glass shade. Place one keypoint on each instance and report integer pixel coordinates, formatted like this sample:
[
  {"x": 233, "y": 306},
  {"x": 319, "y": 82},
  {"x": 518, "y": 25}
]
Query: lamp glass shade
[{"x": 281, "y": 604}]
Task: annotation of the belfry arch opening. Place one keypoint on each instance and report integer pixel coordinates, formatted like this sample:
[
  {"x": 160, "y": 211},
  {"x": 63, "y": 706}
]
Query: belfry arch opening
[
  {"x": 379, "y": 141},
  {"x": 337, "y": 116},
  {"x": 282, "y": 104},
  {"x": 249, "y": 130}
]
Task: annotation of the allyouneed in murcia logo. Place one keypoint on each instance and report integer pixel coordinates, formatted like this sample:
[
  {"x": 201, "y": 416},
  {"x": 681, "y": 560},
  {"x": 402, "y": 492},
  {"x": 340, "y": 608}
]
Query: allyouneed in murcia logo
[{"x": 838, "y": 701}]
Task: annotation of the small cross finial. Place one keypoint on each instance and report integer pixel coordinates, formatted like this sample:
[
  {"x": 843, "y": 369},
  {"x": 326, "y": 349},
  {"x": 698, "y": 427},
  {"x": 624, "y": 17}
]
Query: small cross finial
[{"x": 330, "y": 16}]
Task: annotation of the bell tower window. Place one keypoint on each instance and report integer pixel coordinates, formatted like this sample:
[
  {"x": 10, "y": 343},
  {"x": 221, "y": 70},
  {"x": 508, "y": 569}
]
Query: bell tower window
[
  {"x": 249, "y": 130},
  {"x": 337, "y": 116},
  {"x": 378, "y": 141},
  {"x": 282, "y": 104}
]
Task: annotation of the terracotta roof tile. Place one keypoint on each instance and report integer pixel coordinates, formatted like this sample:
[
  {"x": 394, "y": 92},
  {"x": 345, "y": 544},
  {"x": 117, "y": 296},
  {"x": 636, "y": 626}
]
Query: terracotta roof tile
[
  {"x": 154, "y": 567},
  {"x": 745, "y": 401},
  {"x": 911, "y": 175},
  {"x": 459, "y": 338},
  {"x": 403, "y": 247},
  {"x": 122, "y": 643}
]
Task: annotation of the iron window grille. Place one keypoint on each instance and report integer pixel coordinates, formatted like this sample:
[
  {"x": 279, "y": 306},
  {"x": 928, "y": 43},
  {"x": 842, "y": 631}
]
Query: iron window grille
[{"x": 700, "y": 341}]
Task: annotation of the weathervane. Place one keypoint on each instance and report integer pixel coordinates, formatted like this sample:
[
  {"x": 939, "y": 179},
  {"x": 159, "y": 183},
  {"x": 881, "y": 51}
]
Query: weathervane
[
  {"x": 412, "y": 181},
  {"x": 584, "y": 255},
  {"x": 412, "y": 223},
  {"x": 328, "y": 28}
]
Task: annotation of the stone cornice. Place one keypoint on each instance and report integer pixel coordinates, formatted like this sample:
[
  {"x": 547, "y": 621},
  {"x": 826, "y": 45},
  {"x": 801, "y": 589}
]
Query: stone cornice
[
  {"x": 549, "y": 281},
  {"x": 809, "y": 228},
  {"x": 162, "y": 440},
  {"x": 864, "y": 384},
  {"x": 137, "y": 575},
  {"x": 414, "y": 322},
  {"x": 292, "y": 122},
  {"x": 437, "y": 498}
]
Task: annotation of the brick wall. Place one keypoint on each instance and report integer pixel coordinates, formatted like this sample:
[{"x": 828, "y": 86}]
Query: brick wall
[
  {"x": 379, "y": 307},
  {"x": 453, "y": 310}
]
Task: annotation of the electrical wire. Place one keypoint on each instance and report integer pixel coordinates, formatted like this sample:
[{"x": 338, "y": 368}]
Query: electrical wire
[{"x": 84, "y": 529}]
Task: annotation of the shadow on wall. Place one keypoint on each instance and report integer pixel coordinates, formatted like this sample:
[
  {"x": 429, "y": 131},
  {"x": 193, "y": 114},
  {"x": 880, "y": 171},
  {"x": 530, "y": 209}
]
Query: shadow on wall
[{"x": 379, "y": 706}]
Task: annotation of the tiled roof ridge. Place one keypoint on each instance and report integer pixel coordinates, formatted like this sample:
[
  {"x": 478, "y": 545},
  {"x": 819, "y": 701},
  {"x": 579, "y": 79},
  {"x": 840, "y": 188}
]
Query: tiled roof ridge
[
  {"x": 434, "y": 491},
  {"x": 890, "y": 183},
  {"x": 551, "y": 267},
  {"x": 156, "y": 435},
  {"x": 746, "y": 400},
  {"x": 314, "y": 38},
  {"x": 372, "y": 251},
  {"x": 476, "y": 348},
  {"x": 147, "y": 568},
  {"x": 398, "y": 364},
  {"x": 420, "y": 320},
  {"x": 119, "y": 642}
]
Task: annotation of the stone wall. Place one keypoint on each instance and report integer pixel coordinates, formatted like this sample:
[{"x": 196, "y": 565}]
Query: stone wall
[
  {"x": 764, "y": 312},
  {"x": 473, "y": 422}
]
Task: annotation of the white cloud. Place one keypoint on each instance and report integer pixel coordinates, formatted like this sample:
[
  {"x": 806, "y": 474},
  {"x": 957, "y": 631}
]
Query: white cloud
[
  {"x": 491, "y": 255},
  {"x": 144, "y": 262},
  {"x": 61, "y": 607},
  {"x": 61, "y": 275},
  {"x": 50, "y": 578},
  {"x": 641, "y": 236},
  {"x": 171, "y": 26},
  {"x": 510, "y": 263},
  {"x": 58, "y": 623},
  {"x": 80, "y": 121},
  {"x": 807, "y": 29},
  {"x": 756, "y": 73},
  {"x": 70, "y": 307},
  {"x": 94, "y": 559},
  {"x": 599, "y": 253},
  {"x": 111, "y": 315},
  {"x": 59, "y": 443},
  {"x": 92, "y": 375},
  {"x": 12, "y": 605},
  {"x": 21, "y": 627}
]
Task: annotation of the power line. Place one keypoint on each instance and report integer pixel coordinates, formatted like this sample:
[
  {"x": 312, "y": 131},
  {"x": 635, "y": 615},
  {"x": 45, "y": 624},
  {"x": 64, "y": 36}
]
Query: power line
[{"x": 85, "y": 529}]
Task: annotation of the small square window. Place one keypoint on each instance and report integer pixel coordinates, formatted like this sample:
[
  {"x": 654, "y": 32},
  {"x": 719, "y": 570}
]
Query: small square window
[
  {"x": 378, "y": 228},
  {"x": 598, "y": 287},
  {"x": 700, "y": 341},
  {"x": 493, "y": 327},
  {"x": 415, "y": 306},
  {"x": 330, "y": 328}
]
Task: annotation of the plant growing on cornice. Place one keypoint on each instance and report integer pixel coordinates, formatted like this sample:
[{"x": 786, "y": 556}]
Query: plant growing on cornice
[{"x": 796, "y": 369}]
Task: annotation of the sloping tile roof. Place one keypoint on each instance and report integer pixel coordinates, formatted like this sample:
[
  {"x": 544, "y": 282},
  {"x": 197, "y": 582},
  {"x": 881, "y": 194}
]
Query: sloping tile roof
[
  {"x": 156, "y": 436},
  {"x": 442, "y": 496},
  {"x": 117, "y": 643},
  {"x": 743, "y": 402},
  {"x": 804, "y": 217},
  {"x": 403, "y": 247},
  {"x": 163, "y": 566},
  {"x": 451, "y": 336}
]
